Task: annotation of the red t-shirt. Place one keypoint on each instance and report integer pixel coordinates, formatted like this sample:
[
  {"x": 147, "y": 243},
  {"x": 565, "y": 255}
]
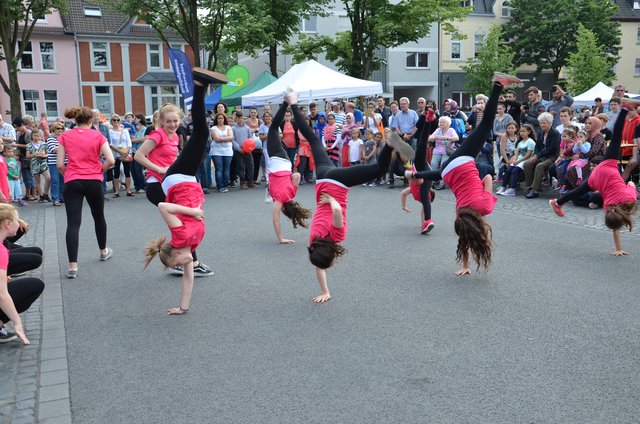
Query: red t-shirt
[
  {"x": 606, "y": 179},
  {"x": 464, "y": 180},
  {"x": 165, "y": 152},
  {"x": 628, "y": 134},
  {"x": 4, "y": 257},
  {"x": 289, "y": 135},
  {"x": 322, "y": 224},
  {"x": 191, "y": 232},
  {"x": 280, "y": 186},
  {"x": 82, "y": 146},
  {"x": 4, "y": 179}
]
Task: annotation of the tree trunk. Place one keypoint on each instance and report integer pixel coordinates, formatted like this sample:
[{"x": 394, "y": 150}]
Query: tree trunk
[
  {"x": 14, "y": 88},
  {"x": 273, "y": 60}
]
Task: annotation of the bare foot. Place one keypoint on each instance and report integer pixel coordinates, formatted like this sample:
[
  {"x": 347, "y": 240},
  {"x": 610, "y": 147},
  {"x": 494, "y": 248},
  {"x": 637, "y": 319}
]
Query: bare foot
[
  {"x": 177, "y": 311},
  {"x": 287, "y": 241},
  {"x": 322, "y": 298},
  {"x": 463, "y": 271},
  {"x": 619, "y": 253}
]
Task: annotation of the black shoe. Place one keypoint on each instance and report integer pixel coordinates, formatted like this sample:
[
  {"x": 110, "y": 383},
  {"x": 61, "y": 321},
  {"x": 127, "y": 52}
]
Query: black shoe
[
  {"x": 7, "y": 336},
  {"x": 532, "y": 195},
  {"x": 202, "y": 270},
  {"x": 392, "y": 186},
  {"x": 205, "y": 190}
]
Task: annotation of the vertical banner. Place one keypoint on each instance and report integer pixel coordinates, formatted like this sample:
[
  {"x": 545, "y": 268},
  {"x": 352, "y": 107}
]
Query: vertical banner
[{"x": 182, "y": 70}]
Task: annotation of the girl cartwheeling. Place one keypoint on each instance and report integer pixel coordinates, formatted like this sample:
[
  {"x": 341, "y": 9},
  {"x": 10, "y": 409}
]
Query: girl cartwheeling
[
  {"x": 182, "y": 210},
  {"x": 283, "y": 184},
  {"x": 420, "y": 189},
  {"x": 618, "y": 198},
  {"x": 329, "y": 225},
  {"x": 474, "y": 198}
]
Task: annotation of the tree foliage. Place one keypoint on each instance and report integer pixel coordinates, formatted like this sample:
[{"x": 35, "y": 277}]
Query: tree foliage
[
  {"x": 544, "y": 33},
  {"x": 493, "y": 56},
  {"x": 378, "y": 23},
  {"x": 588, "y": 65},
  {"x": 17, "y": 20}
]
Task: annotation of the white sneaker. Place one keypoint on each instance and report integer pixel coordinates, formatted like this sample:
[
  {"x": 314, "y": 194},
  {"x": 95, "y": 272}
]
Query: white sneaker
[
  {"x": 509, "y": 192},
  {"x": 500, "y": 191}
]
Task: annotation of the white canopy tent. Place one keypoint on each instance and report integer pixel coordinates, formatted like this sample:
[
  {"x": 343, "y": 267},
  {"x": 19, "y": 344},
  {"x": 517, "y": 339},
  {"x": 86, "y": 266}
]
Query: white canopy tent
[
  {"x": 599, "y": 90},
  {"x": 313, "y": 81}
]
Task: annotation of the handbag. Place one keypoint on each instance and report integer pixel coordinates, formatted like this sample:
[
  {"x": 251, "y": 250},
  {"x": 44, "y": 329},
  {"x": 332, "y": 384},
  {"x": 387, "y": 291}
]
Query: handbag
[{"x": 451, "y": 147}]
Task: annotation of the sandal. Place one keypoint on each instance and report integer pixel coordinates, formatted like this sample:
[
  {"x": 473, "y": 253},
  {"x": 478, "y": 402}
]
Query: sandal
[
  {"x": 130, "y": 194},
  {"x": 115, "y": 196},
  {"x": 177, "y": 311}
]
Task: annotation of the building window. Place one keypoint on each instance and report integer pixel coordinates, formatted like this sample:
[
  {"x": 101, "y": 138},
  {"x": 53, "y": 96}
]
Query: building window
[
  {"x": 466, "y": 3},
  {"x": 102, "y": 98},
  {"x": 456, "y": 50},
  {"x": 161, "y": 94},
  {"x": 26, "y": 62},
  {"x": 637, "y": 70},
  {"x": 154, "y": 56},
  {"x": 95, "y": 12},
  {"x": 309, "y": 25},
  {"x": 46, "y": 55},
  {"x": 51, "y": 102},
  {"x": 638, "y": 36},
  {"x": 478, "y": 39},
  {"x": 462, "y": 98},
  {"x": 30, "y": 99},
  {"x": 100, "y": 56},
  {"x": 506, "y": 11},
  {"x": 417, "y": 60}
]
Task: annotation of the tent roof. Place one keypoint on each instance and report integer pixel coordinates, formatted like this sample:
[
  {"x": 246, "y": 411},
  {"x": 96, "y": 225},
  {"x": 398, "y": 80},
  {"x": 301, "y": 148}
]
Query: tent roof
[
  {"x": 213, "y": 98},
  {"x": 256, "y": 84},
  {"x": 313, "y": 81},
  {"x": 599, "y": 90}
]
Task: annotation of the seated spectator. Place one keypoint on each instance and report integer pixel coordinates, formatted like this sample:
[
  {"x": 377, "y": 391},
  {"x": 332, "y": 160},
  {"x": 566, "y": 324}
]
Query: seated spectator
[
  {"x": 581, "y": 148},
  {"x": 545, "y": 154},
  {"x": 598, "y": 146},
  {"x": 525, "y": 149},
  {"x": 559, "y": 169},
  {"x": 630, "y": 135}
]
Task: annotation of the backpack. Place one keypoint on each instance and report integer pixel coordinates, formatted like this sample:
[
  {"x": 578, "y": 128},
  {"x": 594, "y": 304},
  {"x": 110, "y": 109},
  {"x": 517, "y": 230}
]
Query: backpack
[{"x": 457, "y": 124}]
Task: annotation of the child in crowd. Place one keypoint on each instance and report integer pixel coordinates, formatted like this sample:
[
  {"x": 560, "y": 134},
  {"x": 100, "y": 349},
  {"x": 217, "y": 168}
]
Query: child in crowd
[
  {"x": 525, "y": 148},
  {"x": 567, "y": 141},
  {"x": 37, "y": 152},
  {"x": 15, "y": 187},
  {"x": 369, "y": 152},
  {"x": 508, "y": 143},
  {"x": 420, "y": 189},
  {"x": 331, "y": 140},
  {"x": 618, "y": 198},
  {"x": 580, "y": 149},
  {"x": 356, "y": 147}
]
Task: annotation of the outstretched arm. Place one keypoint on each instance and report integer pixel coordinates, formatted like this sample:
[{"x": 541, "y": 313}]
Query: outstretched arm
[
  {"x": 322, "y": 280},
  {"x": 9, "y": 308},
  {"x": 403, "y": 199},
  {"x": 618, "y": 242},
  {"x": 275, "y": 217}
]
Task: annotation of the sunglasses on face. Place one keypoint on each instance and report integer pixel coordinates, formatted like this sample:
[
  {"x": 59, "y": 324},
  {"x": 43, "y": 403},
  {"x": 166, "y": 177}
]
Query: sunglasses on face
[{"x": 115, "y": 120}]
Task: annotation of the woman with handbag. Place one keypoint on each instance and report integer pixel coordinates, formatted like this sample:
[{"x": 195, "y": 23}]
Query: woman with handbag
[
  {"x": 443, "y": 138},
  {"x": 121, "y": 146}
]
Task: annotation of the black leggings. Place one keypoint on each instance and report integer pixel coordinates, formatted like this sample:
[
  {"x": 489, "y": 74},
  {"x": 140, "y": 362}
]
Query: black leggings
[
  {"x": 274, "y": 145},
  {"x": 23, "y": 292},
  {"x": 612, "y": 152},
  {"x": 421, "y": 164},
  {"x": 189, "y": 160},
  {"x": 474, "y": 142},
  {"x": 74, "y": 192},
  {"x": 325, "y": 169},
  {"x": 23, "y": 259},
  {"x": 125, "y": 165},
  {"x": 154, "y": 193}
]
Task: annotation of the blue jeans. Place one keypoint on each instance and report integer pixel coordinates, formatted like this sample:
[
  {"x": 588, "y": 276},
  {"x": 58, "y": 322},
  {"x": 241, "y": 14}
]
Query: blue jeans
[
  {"x": 223, "y": 169},
  {"x": 27, "y": 178},
  {"x": 138, "y": 176},
  {"x": 57, "y": 184}
]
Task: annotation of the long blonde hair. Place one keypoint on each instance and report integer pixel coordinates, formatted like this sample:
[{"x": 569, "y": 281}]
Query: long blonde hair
[{"x": 159, "y": 247}]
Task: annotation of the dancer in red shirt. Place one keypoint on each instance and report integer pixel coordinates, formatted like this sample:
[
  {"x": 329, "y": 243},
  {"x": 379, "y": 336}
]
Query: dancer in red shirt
[
  {"x": 329, "y": 225},
  {"x": 474, "y": 198},
  {"x": 283, "y": 184},
  {"x": 182, "y": 210},
  {"x": 619, "y": 199}
]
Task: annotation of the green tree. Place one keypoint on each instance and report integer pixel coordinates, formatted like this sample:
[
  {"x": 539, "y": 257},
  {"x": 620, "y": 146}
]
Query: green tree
[
  {"x": 544, "y": 33},
  {"x": 375, "y": 24},
  {"x": 263, "y": 26},
  {"x": 17, "y": 20},
  {"x": 588, "y": 65},
  {"x": 493, "y": 56}
]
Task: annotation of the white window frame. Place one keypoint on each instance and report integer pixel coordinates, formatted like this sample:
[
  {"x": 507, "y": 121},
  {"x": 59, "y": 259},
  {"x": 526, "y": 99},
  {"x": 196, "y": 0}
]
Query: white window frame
[
  {"x": 95, "y": 68},
  {"x": 458, "y": 96},
  {"x": 461, "y": 50},
  {"x": 417, "y": 61},
  {"x": 103, "y": 96},
  {"x": 158, "y": 52},
  {"x": 92, "y": 11},
  {"x": 478, "y": 39},
  {"x": 29, "y": 53},
  {"x": 505, "y": 11},
  {"x": 43, "y": 54},
  {"x": 466, "y": 3},
  {"x": 162, "y": 98},
  {"x": 303, "y": 24},
  {"x": 51, "y": 101},
  {"x": 33, "y": 100},
  {"x": 638, "y": 35},
  {"x": 636, "y": 71}
]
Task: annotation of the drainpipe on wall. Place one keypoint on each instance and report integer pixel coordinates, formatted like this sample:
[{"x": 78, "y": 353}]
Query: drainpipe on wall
[{"x": 75, "y": 41}]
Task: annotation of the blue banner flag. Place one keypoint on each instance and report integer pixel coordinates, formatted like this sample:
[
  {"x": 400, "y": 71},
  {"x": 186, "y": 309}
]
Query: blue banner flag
[{"x": 182, "y": 70}]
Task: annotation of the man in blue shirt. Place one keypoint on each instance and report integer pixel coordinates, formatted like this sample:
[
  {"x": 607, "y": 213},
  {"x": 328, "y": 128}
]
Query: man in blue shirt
[{"x": 405, "y": 122}]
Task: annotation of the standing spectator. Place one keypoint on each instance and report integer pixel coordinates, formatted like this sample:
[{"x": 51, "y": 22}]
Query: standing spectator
[
  {"x": 289, "y": 136},
  {"x": 7, "y": 132},
  {"x": 405, "y": 123},
  {"x": 254, "y": 125},
  {"x": 13, "y": 175},
  {"x": 394, "y": 108},
  {"x": 313, "y": 113},
  {"x": 263, "y": 133},
  {"x": 597, "y": 108},
  {"x": 37, "y": 153},
  {"x": 422, "y": 105},
  {"x": 357, "y": 113},
  {"x": 57, "y": 182},
  {"x": 545, "y": 154},
  {"x": 513, "y": 106},
  {"x": 341, "y": 117},
  {"x": 427, "y": 124},
  {"x": 129, "y": 124},
  {"x": 222, "y": 151},
  {"x": 43, "y": 125},
  {"x": 244, "y": 163},
  {"x": 138, "y": 138},
  {"x": 478, "y": 110},
  {"x": 533, "y": 108},
  {"x": 372, "y": 120},
  {"x": 614, "y": 111},
  {"x": 619, "y": 91},
  {"x": 560, "y": 100},
  {"x": 121, "y": 146},
  {"x": 566, "y": 119},
  {"x": 450, "y": 109},
  {"x": 97, "y": 125},
  {"x": 23, "y": 138},
  {"x": 383, "y": 110},
  {"x": 630, "y": 135}
]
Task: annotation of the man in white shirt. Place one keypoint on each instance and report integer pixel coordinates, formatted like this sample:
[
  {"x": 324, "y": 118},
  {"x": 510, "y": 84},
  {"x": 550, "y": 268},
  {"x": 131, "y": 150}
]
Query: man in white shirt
[{"x": 7, "y": 132}]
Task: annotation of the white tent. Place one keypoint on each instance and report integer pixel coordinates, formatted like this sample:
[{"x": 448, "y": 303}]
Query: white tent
[
  {"x": 313, "y": 81},
  {"x": 599, "y": 90}
]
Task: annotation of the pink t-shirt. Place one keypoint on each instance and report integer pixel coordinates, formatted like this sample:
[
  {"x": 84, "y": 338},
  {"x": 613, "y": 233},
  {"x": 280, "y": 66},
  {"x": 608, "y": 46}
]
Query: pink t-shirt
[
  {"x": 322, "y": 224},
  {"x": 464, "y": 180},
  {"x": 606, "y": 179},
  {"x": 165, "y": 152},
  {"x": 4, "y": 257},
  {"x": 280, "y": 186},
  {"x": 441, "y": 145},
  {"x": 4, "y": 178},
  {"x": 191, "y": 232},
  {"x": 82, "y": 146},
  {"x": 289, "y": 135}
]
